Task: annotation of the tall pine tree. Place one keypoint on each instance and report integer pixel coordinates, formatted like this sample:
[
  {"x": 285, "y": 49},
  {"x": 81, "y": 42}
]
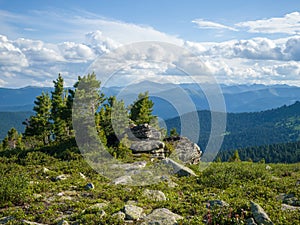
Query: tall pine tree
[
  {"x": 39, "y": 125},
  {"x": 141, "y": 110}
]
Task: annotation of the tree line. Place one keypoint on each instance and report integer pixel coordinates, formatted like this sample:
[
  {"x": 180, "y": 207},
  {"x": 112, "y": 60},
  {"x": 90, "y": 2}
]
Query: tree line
[{"x": 52, "y": 121}]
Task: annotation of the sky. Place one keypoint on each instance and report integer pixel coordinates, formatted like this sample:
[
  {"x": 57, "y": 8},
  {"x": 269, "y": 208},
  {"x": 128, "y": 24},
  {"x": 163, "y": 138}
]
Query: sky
[{"x": 239, "y": 42}]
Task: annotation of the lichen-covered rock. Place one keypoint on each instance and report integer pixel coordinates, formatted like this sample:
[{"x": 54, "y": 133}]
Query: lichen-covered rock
[
  {"x": 6, "y": 219},
  {"x": 217, "y": 202},
  {"x": 133, "y": 212},
  {"x": 161, "y": 216},
  {"x": 185, "y": 150},
  {"x": 119, "y": 215},
  {"x": 143, "y": 131},
  {"x": 178, "y": 169},
  {"x": 154, "y": 195},
  {"x": 260, "y": 215},
  {"x": 251, "y": 221},
  {"x": 146, "y": 146}
]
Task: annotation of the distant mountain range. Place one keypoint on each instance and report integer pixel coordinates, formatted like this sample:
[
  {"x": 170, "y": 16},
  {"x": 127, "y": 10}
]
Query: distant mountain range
[
  {"x": 243, "y": 129},
  {"x": 238, "y": 98}
]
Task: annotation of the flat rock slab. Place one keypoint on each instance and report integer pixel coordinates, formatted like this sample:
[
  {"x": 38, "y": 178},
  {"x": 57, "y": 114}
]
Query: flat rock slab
[
  {"x": 178, "y": 169},
  {"x": 161, "y": 216}
]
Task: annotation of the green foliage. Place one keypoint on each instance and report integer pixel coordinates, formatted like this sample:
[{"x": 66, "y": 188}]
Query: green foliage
[
  {"x": 235, "y": 157},
  {"x": 141, "y": 109},
  {"x": 173, "y": 132},
  {"x": 39, "y": 125},
  {"x": 13, "y": 186},
  {"x": 12, "y": 140}
]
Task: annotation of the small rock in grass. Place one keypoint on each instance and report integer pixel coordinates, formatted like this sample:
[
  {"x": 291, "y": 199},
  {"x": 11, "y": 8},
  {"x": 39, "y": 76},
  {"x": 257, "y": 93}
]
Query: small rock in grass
[{"x": 89, "y": 186}]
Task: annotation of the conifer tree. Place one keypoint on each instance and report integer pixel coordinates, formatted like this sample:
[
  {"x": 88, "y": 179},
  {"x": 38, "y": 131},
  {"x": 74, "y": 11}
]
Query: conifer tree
[
  {"x": 39, "y": 125},
  {"x": 59, "y": 109},
  {"x": 12, "y": 140},
  {"x": 141, "y": 109}
]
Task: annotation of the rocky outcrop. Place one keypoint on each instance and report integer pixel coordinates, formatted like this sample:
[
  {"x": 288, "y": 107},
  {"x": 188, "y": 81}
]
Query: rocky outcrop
[
  {"x": 185, "y": 150},
  {"x": 259, "y": 214},
  {"x": 146, "y": 139}
]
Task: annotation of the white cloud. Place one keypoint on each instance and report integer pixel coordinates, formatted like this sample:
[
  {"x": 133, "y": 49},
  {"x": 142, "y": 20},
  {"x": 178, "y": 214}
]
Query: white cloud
[
  {"x": 205, "y": 24},
  {"x": 73, "y": 52},
  {"x": 289, "y": 24}
]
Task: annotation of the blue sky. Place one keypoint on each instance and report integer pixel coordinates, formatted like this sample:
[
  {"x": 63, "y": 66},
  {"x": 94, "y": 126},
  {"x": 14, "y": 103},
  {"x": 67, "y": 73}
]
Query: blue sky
[{"x": 240, "y": 41}]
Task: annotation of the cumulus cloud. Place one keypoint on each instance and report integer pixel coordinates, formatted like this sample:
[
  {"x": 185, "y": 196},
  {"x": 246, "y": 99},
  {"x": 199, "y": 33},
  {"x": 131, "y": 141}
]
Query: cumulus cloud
[
  {"x": 289, "y": 24},
  {"x": 205, "y": 24},
  {"x": 73, "y": 52}
]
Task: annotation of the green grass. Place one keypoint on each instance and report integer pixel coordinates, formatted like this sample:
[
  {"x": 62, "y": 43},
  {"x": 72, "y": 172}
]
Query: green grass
[{"x": 28, "y": 192}]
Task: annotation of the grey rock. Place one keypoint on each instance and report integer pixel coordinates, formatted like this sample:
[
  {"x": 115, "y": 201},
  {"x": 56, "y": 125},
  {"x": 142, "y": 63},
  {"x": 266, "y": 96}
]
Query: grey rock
[
  {"x": 250, "y": 221},
  {"x": 185, "y": 150},
  {"x": 119, "y": 215},
  {"x": 260, "y": 215},
  {"x": 146, "y": 146},
  {"x": 63, "y": 222},
  {"x": 298, "y": 183},
  {"x": 89, "y": 186},
  {"x": 132, "y": 212},
  {"x": 177, "y": 168},
  {"x": 82, "y": 176},
  {"x": 285, "y": 207},
  {"x": 123, "y": 180},
  {"x": 143, "y": 131},
  {"x": 98, "y": 206},
  {"x": 220, "y": 203},
  {"x": 154, "y": 195},
  {"x": 130, "y": 166},
  {"x": 61, "y": 177},
  {"x": 288, "y": 199},
  {"x": 6, "y": 219},
  {"x": 31, "y": 223},
  {"x": 161, "y": 216}
]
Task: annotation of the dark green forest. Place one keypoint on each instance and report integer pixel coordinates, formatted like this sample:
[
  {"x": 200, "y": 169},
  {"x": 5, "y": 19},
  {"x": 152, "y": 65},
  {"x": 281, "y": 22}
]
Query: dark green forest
[{"x": 281, "y": 125}]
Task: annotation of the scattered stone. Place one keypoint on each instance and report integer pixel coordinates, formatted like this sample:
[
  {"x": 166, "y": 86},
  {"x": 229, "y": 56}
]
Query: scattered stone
[
  {"x": 61, "y": 177},
  {"x": 119, "y": 215},
  {"x": 82, "y": 176},
  {"x": 185, "y": 150},
  {"x": 154, "y": 195},
  {"x": 132, "y": 212},
  {"x": 6, "y": 219},
  {"x": 260, "y": 215},
  {"x": 46, "y": 170},
  {"x": 288, "y": 199},
  {"x": 298, "y": 183},
  {"x": 123, "y": 180},
  {"x": 178, "y": 169},
  {"x": 63, "y": 222},
  {"x": 130, "y": 166},
  {"x": 31, "y": 223},
  {"x": 251, "y": 221},
  {"x": 285, "y": 207},
  {"x": 89, "y": 186},
  {"x": 161, "y": 216},
  {"x": 268, "y": 167},
  {"x": 220, "y": 203},
  {"x": 98, "y": 206}
]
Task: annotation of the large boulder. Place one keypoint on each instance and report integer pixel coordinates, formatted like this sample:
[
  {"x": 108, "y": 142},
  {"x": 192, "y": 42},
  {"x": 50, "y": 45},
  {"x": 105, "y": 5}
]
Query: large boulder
[
  {"x": 185, "y": 150},
  {"x": 162, "y": 216},
  {"x": 259, "y": 214},
  {"x": 177, "y": 168},
  {"x": 132, "y": 212},
  {"x": 146, "y": 146},
  {"x": 154, "y": 195}
]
